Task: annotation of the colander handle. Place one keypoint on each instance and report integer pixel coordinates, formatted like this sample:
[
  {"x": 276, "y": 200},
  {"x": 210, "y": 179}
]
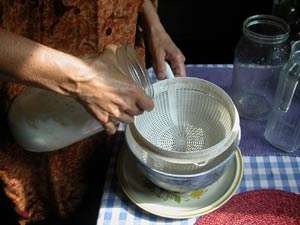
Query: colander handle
[{"x": 169, "y": 72}]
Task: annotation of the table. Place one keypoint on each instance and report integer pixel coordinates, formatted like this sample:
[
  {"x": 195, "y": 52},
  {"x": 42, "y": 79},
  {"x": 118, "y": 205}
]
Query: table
[{"x": 269, "y": 168}]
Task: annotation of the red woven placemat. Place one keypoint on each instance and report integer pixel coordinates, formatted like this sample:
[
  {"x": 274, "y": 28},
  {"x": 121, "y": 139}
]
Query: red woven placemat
[{"x": 261, "y": 207}]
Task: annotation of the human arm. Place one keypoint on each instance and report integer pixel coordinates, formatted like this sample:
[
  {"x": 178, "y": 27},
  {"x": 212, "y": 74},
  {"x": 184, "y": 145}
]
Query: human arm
[
  {"x": 161, "y": 46},
  {"x": 96, "y": 82}
]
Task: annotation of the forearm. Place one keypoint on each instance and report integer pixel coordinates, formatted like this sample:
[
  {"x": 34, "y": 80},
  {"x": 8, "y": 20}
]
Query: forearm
[
  {"x": 160, "y": 44},
  {"x": 150, "y": 17},
  {"x": 155, "y": 3},
  {"x": 28, "y": 62}
]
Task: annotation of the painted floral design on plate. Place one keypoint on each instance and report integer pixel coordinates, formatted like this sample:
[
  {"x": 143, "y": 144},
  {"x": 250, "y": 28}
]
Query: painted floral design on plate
[{"x": 168, "y": 195}]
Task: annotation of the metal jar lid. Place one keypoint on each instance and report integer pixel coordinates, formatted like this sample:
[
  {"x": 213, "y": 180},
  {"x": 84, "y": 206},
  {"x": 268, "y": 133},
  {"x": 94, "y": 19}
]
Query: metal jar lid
[{"x": 131, "y": 65}]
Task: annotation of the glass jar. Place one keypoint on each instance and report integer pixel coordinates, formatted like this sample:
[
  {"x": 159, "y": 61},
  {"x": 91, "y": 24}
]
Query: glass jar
[
  {"x": 42, "y": 120},
  {"x": 283, "y": 126},
  {"x": 259, "y": 56}
]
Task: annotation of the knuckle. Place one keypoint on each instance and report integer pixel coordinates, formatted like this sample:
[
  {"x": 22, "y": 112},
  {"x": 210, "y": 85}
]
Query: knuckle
[
  {"x": 100, "y": 115},
  {"x": 179, "y": 56},
  {"x": 116, "y": 112},
  {"x": 160, "y": 70},
  {"x": 125, "y": 104},
  {"x": 133, "y": 90},
  {"x": 182, "y": 57},
  {"x": 105, "y": 119}
]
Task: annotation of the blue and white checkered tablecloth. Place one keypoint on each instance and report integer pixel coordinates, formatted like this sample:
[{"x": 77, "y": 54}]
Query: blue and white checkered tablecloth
[
  {"x": 264, "y": 166},
  {"x": 261, "y": 172}
]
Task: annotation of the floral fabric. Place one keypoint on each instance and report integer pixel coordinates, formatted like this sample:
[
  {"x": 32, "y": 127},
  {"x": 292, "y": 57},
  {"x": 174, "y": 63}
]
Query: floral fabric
[{"x": 43, "y": 185}]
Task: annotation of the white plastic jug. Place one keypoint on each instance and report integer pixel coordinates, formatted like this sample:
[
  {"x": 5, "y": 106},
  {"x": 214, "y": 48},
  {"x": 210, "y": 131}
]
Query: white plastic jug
[{"x": 42, "y": 121}]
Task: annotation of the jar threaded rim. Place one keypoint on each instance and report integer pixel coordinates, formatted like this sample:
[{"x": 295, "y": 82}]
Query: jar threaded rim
[{"x": 276, "y": 30}]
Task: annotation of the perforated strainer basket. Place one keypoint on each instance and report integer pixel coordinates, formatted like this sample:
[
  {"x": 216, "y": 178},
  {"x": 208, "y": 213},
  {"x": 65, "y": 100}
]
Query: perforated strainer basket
[{"x": 192, "y": 119}]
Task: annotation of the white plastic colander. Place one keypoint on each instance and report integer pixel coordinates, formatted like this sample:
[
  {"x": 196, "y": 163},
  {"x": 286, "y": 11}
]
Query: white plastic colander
[
  {"x": 163, "y": 165},
  {"x": 193, "y": 120}
]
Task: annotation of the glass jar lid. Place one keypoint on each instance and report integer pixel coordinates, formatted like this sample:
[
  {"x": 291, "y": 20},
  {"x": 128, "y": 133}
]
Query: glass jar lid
[{"x": 131, "y": 65}]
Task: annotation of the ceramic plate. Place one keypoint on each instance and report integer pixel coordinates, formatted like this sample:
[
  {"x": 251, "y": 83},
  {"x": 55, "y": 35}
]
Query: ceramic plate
[{"x": 173, "y": 205}]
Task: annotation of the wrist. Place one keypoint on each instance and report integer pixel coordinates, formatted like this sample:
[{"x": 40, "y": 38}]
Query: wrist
[
  {"x": 150, "y": 17},
  {"x": 61, "y": 72},
  {"x": 155, "y": 29},
  {"x": 77, "y": 72}
]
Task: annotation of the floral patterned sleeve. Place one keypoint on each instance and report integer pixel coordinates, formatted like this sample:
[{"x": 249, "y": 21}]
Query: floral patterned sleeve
[{"x": 40, "y": 186}]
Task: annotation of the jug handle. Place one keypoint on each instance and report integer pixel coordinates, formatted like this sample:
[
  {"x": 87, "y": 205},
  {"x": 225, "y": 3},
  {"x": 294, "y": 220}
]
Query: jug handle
[
  {"x": 169, "y": 71},
  {"x": 289, "y": 85}
]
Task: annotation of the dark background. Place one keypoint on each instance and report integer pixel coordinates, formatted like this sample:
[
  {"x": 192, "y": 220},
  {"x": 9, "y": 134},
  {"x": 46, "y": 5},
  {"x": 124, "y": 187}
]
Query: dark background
[{"x": 206, "y": 32}]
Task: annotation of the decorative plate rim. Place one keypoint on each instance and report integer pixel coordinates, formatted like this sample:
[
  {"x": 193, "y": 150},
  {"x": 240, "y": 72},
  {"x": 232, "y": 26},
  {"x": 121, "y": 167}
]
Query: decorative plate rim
[{"x": 191, "y": 213}]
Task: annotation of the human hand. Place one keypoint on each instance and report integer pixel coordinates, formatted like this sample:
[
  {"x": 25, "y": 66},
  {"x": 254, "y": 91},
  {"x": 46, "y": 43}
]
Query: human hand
[
  {"x": 109, "y": 94},
  {"x": 161, "y": 46},
  {"x": 162, "y": 49}
]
